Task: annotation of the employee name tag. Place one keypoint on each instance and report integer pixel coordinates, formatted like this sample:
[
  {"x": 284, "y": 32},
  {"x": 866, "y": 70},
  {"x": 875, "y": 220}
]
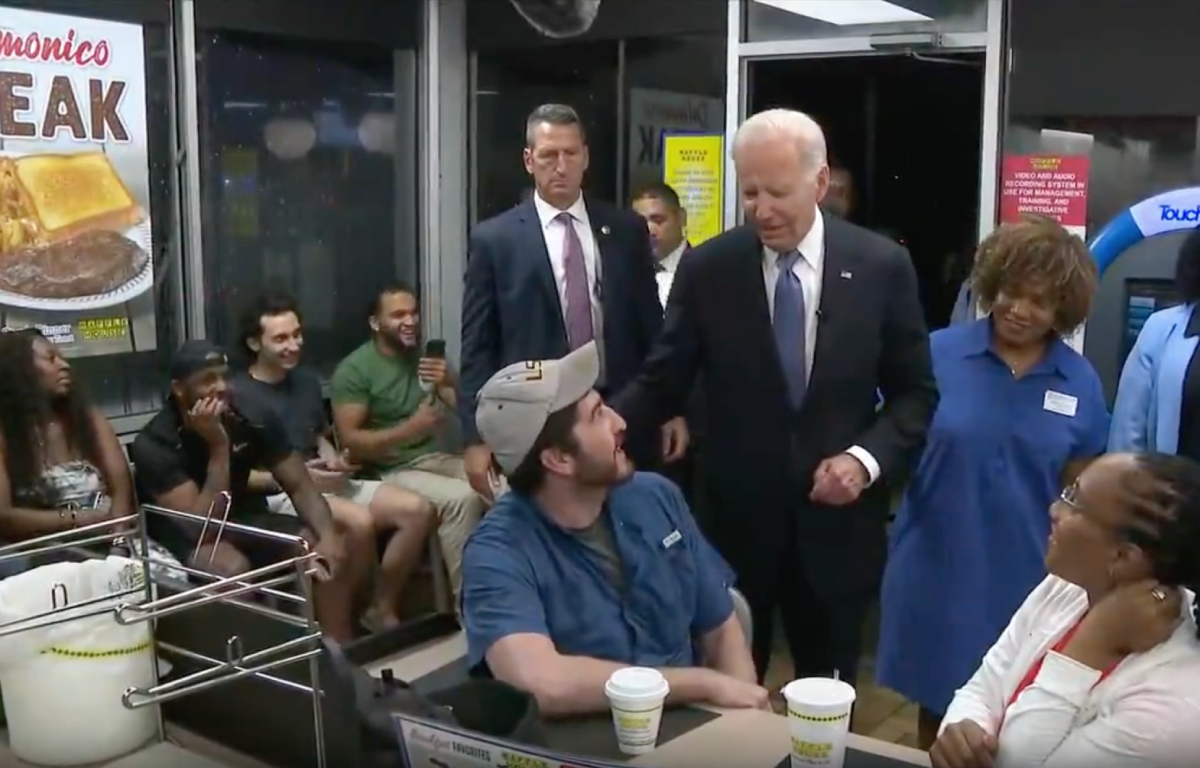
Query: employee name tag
[
  {"x": 1057, "y": 402},
  {"x": 672, "y": 539}
]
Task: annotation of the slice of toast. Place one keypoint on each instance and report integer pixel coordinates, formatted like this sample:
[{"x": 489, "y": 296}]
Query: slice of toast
[{"x": 69, "y": 194}]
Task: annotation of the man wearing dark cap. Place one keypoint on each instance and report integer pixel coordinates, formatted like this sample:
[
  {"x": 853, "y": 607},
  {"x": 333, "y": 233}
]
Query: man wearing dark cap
[{"x": 198, "y": 447}]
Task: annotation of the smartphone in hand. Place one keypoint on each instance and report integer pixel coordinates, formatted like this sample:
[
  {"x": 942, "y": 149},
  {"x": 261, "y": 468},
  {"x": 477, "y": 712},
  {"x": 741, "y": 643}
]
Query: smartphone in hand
[{"x": 435, "y": 349}]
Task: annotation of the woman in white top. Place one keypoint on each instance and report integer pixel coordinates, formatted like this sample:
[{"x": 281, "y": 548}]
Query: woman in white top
[{"x": 1100, "y": 667}]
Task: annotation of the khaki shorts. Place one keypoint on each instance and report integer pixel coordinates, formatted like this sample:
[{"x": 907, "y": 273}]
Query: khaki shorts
[{"x": 358, "y": 491}]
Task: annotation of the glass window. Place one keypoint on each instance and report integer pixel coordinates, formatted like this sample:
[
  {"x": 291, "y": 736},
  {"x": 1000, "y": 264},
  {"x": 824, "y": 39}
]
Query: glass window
[
  {"x": 308, "y": 179},
  {"x": 510, "y": 84},
  {"x": 1101, "y": 94},
  {"x": 672, "y": 84},
  {"x": 132, "y": 382},
  {"x": 1114, "y": 97},
  {"x": 783, "y": 20}
]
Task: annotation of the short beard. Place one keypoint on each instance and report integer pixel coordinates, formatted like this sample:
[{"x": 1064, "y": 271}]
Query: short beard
[{"x": 393, "y": 342}]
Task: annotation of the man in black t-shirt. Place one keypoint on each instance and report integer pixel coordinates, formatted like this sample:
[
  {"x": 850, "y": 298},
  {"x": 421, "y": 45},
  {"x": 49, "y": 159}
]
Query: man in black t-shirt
[
  {"x": 199, "y": 447},
  {"x": 272, "y": 335}
]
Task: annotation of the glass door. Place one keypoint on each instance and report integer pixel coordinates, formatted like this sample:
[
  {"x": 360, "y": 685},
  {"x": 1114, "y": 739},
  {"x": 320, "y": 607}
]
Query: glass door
[{"x": 960, "y": 38}]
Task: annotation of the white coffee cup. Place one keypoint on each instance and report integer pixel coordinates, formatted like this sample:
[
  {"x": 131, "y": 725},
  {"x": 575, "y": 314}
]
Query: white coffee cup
[
  {"x": 637, "y": 695},
  {"x": 819, "y": 720}
]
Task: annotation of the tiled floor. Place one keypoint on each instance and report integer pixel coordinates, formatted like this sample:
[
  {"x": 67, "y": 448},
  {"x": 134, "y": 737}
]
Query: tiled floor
[{"x": 880, "y": 713}]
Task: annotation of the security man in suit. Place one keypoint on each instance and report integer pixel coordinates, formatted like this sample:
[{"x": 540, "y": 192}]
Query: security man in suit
[{"x": 552, "y": 274}]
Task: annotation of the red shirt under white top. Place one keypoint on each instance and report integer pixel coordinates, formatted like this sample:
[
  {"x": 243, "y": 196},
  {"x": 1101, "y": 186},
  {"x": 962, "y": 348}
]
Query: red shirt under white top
[{"x": 1046, "y": 709}]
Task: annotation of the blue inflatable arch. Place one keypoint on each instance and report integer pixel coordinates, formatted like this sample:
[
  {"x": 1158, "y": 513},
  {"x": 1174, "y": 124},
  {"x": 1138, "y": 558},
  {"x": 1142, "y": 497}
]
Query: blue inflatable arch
[{"x": 1168, "y": 212}]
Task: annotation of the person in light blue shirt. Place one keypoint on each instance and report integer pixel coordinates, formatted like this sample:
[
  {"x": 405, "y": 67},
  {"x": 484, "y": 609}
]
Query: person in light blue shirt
[
  {"x": 1158, "y": 397},
  {"x": 1021, "y": 413},
  {"x": 585, "y": 566}
]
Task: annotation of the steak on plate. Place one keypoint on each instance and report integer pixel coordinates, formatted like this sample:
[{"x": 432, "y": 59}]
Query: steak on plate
[{"x": 89, "y": 264}]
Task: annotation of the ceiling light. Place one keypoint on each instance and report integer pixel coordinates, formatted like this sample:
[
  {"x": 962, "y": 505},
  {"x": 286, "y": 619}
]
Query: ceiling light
[
  {"x": 846, "y": 13},
  {"x": 377, "y": 132},
  {"x": 289, "y": 138}
]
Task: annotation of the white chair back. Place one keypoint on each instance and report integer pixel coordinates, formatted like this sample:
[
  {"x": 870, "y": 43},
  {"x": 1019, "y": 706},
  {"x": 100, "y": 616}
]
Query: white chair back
[{"x": 741, "y": 609}]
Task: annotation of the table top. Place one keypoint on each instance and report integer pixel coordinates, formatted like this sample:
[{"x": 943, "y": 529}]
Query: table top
[{"x": 762, "y": 739}]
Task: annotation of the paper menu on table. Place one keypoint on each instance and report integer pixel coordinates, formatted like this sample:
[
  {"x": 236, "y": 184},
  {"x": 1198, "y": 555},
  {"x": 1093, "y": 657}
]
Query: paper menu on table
[{"x": 427, "y": 744}]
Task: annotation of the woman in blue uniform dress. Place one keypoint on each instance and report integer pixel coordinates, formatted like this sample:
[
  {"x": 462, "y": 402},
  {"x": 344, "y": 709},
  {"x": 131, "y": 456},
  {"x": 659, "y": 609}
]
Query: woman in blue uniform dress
[
  {"x": 1021, "y": 413},
  {"x": 1158, "y": 399}
]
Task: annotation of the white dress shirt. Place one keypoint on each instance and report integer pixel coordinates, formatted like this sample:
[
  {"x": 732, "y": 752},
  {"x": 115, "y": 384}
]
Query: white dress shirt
[
  {"x": 1145, "y": 714},
  {"x": 810, "y": 268},
  {"x": 553, "y": 233},
  {"x": 664, "y": 272}
]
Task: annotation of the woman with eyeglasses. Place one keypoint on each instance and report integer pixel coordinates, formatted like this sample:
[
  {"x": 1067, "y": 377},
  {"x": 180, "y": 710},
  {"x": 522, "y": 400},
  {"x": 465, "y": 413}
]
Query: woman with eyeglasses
[
  {"x": 1020, "y": 414},
  {"x": 1101, "y": 665}
]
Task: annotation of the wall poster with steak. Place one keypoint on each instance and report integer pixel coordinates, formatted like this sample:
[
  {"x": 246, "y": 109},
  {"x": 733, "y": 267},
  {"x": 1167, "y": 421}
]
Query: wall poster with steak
[{"x": 76, "y": 246}]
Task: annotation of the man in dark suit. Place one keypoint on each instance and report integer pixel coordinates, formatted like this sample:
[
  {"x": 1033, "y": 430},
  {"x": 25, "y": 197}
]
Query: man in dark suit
[
  {"x": 796, "y": 321},
  {"x": 554, "y": 273}
]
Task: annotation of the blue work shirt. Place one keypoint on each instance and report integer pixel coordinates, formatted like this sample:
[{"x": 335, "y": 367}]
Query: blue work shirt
[
  {"x": 522, "y": 573},
  {"x": 970, "y": 538}
]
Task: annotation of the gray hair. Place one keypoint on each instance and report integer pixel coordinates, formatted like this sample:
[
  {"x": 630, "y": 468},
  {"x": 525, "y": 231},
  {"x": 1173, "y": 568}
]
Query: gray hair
[
  {"x": 809, "y": 138},
  {"x": 553, "y": 114}
]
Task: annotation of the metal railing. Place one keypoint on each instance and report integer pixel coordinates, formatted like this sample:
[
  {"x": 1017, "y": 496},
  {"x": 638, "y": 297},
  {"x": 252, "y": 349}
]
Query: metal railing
[{"x": 119, "y": 533}]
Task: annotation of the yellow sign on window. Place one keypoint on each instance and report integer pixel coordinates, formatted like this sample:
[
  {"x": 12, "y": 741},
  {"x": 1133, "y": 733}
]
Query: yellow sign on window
[{"x": 694, "y": 166}]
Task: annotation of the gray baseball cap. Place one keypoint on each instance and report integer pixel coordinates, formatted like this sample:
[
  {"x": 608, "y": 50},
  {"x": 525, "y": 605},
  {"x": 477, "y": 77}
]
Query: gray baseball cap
[{"x": 512, "y": 408}]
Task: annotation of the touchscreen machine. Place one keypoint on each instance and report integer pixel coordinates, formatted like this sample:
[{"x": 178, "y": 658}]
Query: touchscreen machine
[
  {"x": 1142, "y": 299},
  {"x": 1136, "y": 254}
]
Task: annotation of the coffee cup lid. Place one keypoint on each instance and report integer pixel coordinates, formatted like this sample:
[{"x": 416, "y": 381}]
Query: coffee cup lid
[
  {"x": 819, "y": 692},
  {"x": 636, "y": 682}
]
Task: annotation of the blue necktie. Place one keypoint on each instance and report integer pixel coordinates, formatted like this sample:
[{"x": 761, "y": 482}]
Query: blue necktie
[{"x": 789, "y": 324}]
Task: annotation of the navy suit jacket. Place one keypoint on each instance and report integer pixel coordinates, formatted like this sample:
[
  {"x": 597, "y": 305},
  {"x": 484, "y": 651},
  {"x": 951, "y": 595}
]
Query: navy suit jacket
[
  {"x": 760, "y": 453},
  {"x": 512, "y": 312}
]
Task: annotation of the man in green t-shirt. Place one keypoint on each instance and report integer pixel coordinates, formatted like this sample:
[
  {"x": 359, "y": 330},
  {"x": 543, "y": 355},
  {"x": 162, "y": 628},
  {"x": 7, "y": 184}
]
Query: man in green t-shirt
[{"x": 388, "y": 404}]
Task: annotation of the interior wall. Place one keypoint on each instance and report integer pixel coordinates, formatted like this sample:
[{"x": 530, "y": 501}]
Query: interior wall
[
  {"x": 1109, "y": 82},
  {"x": 1114, "y": 57}
]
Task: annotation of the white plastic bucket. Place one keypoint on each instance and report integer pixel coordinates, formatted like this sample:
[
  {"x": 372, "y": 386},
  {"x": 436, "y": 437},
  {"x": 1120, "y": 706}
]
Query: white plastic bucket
[
  {"x": 65, "y": 710},
  {"x": 62, "y": 685}
]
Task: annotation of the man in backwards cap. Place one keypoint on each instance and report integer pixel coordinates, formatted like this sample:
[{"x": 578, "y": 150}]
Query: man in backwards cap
[
  {"x": 199, "y": 447},
  {"x": 586, "y": 567}
]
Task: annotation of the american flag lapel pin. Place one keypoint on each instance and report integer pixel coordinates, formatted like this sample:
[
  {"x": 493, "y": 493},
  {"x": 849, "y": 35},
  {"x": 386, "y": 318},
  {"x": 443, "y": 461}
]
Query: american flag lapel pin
[{"x": 846, "y": 275}]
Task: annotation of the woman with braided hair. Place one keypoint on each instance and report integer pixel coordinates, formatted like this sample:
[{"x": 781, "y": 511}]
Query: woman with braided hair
[{"x": 1101, "y": 665}]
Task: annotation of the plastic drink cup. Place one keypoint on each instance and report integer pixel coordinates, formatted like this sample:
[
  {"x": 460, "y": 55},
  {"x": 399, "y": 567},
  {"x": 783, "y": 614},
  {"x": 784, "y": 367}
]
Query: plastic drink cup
[
  {"x": 819, "y": 720},
  {"x": 637, "y": 695}
]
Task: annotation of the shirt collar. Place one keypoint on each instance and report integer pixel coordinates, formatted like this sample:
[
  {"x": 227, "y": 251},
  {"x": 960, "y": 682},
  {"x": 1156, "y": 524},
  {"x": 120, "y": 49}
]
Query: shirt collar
[
  {"x": 979, "y": 342},
  {"x": 548, "y": 213},
  {"x": 811, "y": 246},
  {"x": 669, "y": 262}
]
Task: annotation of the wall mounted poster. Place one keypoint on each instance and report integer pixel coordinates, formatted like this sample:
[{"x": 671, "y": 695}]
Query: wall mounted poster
[
  {"x": 693, "y": 165},
  {"x": 654, "y": 115},
  {"x": 76, "y": 246},
  {"x": 1055, "y": 186}
]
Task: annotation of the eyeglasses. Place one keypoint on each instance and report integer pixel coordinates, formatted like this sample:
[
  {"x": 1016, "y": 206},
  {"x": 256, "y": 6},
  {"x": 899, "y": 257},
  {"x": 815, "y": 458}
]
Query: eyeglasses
[{"x": 1070, "y": 496}]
